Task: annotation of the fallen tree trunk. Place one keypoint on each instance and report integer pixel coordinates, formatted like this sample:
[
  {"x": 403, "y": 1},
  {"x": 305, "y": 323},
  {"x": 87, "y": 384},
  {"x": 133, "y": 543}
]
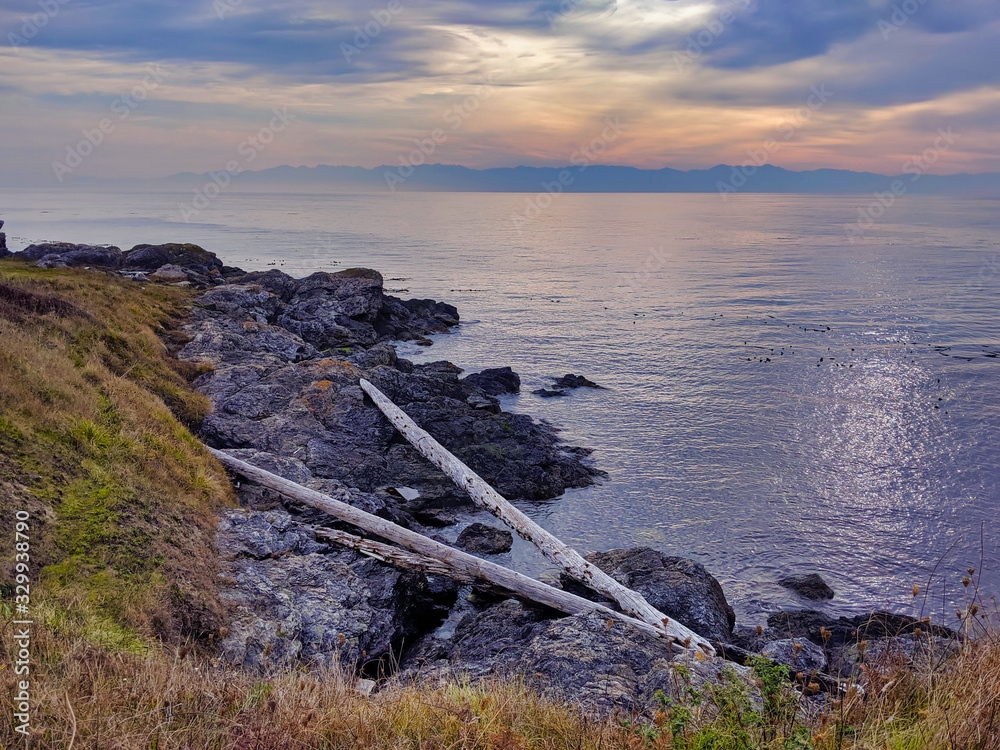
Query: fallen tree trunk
[
  {"x": 457, "y": 563},
  {"x": 569, "y": 559},
  {"x": 393, "y": 555}
]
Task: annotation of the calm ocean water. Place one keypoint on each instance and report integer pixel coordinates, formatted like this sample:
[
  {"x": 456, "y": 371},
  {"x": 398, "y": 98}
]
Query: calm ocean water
[{"x": 778, "y": 399}]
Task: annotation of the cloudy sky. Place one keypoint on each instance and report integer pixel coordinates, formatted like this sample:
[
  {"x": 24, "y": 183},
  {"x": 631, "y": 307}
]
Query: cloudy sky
[{"x": 182, "y": 84}]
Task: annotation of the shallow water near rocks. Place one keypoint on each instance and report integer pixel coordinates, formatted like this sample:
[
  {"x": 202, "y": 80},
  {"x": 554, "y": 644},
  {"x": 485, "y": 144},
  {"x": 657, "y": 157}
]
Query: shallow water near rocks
[{"x": 778, "y": 400}]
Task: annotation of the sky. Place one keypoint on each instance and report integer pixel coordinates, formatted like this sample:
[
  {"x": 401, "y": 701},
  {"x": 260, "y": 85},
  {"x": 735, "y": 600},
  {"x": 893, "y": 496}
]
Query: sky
[{"x": 137, "y": 88}]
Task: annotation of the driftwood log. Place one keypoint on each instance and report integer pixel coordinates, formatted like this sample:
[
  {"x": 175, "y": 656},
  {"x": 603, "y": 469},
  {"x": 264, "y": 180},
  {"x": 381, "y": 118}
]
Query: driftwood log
[
  {"x": 566, "y": 557},
  {"x": 386, "y": 553},
  {"x": 442, "y": 558}
]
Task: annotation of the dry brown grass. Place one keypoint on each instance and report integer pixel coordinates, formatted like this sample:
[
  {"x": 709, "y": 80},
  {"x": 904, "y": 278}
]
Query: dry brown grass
[
  {"x": 949, "y": 700},
  {"x": 173, "y": 698}
]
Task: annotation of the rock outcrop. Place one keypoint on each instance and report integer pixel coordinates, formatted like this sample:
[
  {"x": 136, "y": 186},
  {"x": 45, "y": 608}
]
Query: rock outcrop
[
  {"x": 678, "y": 587},
  {"x": 284, "y": 360},
  {"x": 297, "y": 600},
  {"x": 840, "y": 638},
  {"x": 575, "y": 381},
  {"x": 584, "y": 658},
  {"x": 61, "y": 254},
  {"x": 286, "y": 356},
  {"x": 174, "y": 262}
]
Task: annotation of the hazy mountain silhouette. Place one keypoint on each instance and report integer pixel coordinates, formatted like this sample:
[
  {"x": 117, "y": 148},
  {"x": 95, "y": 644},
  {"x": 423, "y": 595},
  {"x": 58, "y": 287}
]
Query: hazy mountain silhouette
[{"x": 588, "y": 179}]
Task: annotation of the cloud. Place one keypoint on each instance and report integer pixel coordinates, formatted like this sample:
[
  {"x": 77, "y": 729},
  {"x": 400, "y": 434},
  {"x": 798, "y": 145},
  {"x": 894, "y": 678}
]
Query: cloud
[{"x": 697, "y": 81}]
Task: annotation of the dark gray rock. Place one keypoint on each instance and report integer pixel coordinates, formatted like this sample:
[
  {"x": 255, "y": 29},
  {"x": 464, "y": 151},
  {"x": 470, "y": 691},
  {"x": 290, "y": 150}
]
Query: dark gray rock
[
  {"x": 241, "y": 302},
  {"x": 345, "y": 312},
  {"x": 56, "y": 254},
  {"x": 382, "y": 354},
  {"x": 798, "y": 654},
  {"x": 172, "y": 274},
  {"x": 587, "y": 659},
  {"x": 335, "y": 310},
  {"x": 807, "y": 623},
  {"x": 680, "y": 588},
  {"x": 260, "y": 536},
  {"x": 220, "y": 341},
  {"x": 520, "y": 458},
  {"x": 480, "y": 539},
  {"x": 487, "y": 403},
  {"x": 495, "y": 381},
  {"x": 887, "y": 654},
  {"x": 369, "y": 502},
  {"x": 841, "y": 636},
  {"x": 600, "y": 666},
  {"x": 546, "y": 393},
  {"x": 294, "y": 602},
  {"x": 278, "y": 283},
  {"x": 811, "y": 586},
  {"x": 189, "y": 257},
  {"x": 4, "y": 252},
  {"x": 575, "y": 381},
  {"x": 435, "y": 517},
  {"x": 406, "y": 320},
  {"x": 748, "y": 639}
]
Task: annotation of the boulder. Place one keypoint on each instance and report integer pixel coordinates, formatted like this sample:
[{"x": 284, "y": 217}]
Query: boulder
[
  {"x": 278, "y": 283},
  {"x": 680, "y": 588},
  {"x": 887, "y": 654},
  {"x": 241, "y": 302},
  {"x": 480, "y": 539},
  {"x": 546, "y": 393},
  {"x": 575, "y": 381},
  {"x": 487, "y": 403},
  {"x": 495, "y": 381},
  {"x": 170, "y": 273},
  {"x": 810, "y": 586},
  {"x": 219, "y": 341},
  {"x": 4, "y": 252},
  {"x": 187, "y": 256},
  {"x": 382, "y": 354},
  {"x": 56, "y": 254}
]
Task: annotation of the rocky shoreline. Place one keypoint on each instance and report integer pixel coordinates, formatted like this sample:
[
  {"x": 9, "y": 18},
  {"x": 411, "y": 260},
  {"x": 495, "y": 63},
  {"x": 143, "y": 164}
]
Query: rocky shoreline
[{"x": 281, "y": 361}]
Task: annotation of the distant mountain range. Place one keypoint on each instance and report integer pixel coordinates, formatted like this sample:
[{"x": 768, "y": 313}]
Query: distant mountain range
[{"x": 583, "y": 179}]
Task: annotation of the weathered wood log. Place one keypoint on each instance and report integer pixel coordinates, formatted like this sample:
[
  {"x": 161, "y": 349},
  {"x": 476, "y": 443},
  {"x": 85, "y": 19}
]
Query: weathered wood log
[
  {"x": 386, "y": 553},
  {"x": 457, "y": 562},
  {"x": 569, "y": 559}
]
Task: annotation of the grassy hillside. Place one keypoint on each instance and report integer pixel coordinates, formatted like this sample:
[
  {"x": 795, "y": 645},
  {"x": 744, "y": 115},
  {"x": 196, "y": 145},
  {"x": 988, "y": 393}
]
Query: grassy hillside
[{"x": 95, "y": 444}]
